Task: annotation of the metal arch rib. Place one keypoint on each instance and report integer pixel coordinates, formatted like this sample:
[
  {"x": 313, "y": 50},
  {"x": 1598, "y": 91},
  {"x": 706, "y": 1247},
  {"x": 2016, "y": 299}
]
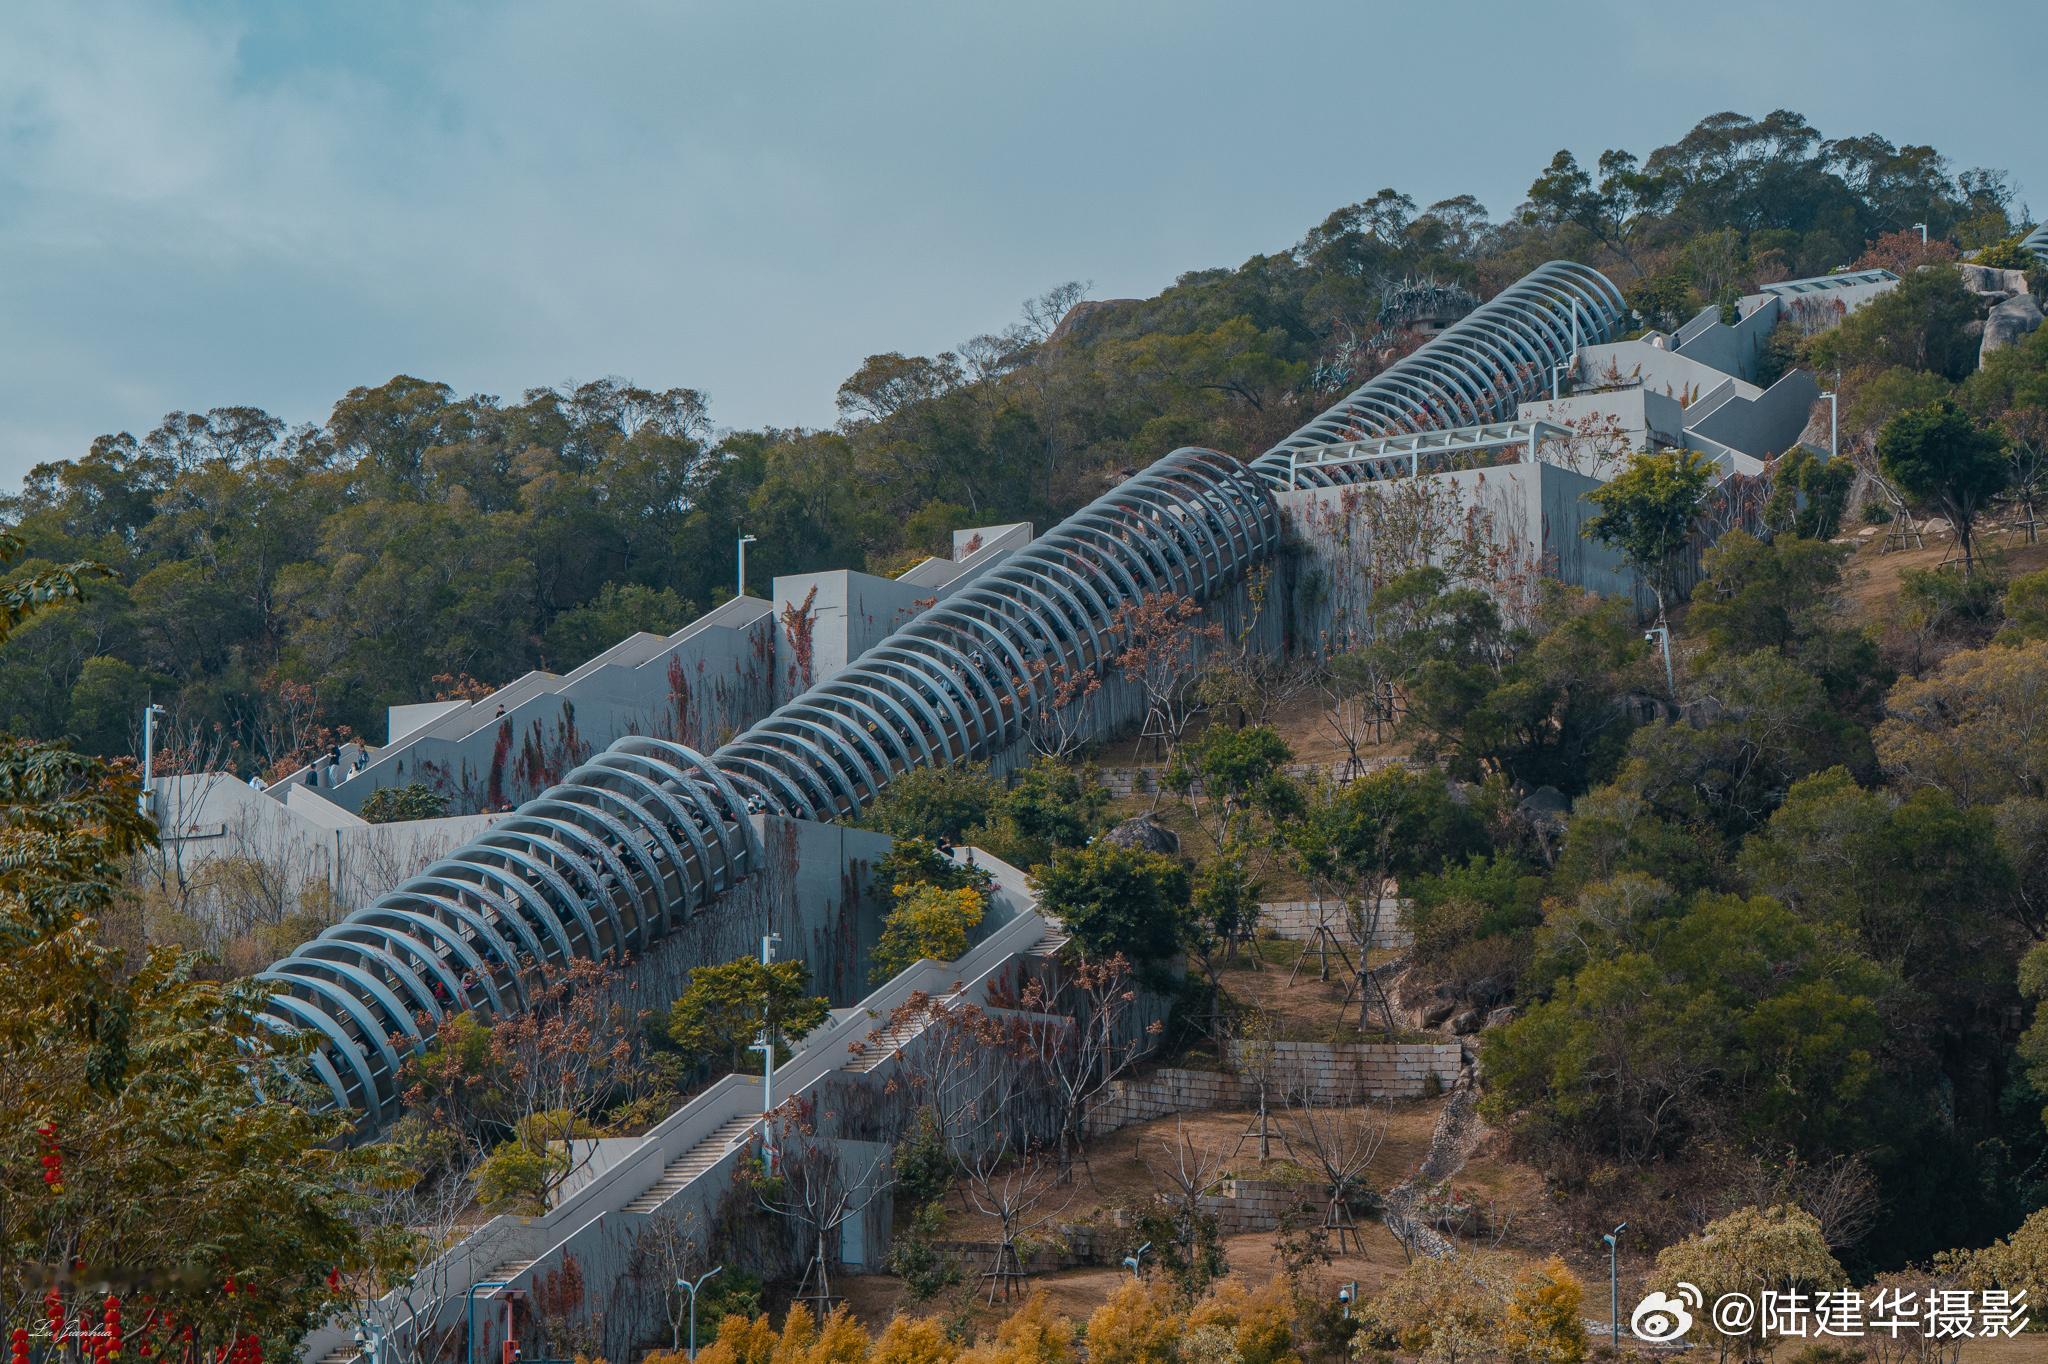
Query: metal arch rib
[{"x": 955, "y": 683}]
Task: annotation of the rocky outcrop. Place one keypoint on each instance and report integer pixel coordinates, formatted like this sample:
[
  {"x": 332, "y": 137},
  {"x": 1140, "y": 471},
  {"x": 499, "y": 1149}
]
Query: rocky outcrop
[
  {"x": 2009, "y": 322},
  {"x": 1146, "y": 833}
]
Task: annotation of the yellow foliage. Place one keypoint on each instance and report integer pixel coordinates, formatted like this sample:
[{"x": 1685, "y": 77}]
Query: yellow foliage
[
  {"x": 799, "y": 1330},
  {"x": 1033, "y": 1334},
  {"x": 927, "y": 921},
  {"x": 1546, "y": 1322},
  {"x": 2018, "y": 1263},
  {"x": 741, "y": 1341},
  {"x": 1260, "y": 1321},
  {"x": 913, "y": 1340},
  {"x": 841, "y": 1340},
  {"x": 1136, "y": 1326}
]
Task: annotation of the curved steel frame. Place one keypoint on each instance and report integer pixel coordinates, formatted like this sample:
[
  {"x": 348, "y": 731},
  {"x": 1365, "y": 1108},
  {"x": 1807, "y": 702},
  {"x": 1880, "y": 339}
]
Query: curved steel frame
[
  {"x": 649, "y": 832},
  {"x": 2037, "y": 242}
]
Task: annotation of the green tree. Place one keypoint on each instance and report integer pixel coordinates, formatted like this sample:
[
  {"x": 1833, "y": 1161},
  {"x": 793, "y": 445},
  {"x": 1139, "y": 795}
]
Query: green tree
[
  {"x": 391, "y": 804},
  {"x": 936, "y": 802},
  {"x": 616, "y": 612},
  {"x": 725, "y": 1008},
  {"x": 1751, "y": 1251},
  {"x": 1114, "y": 899},
  {"x": 1938, "y": 456},
  {"x": 1647, "y": 512}
]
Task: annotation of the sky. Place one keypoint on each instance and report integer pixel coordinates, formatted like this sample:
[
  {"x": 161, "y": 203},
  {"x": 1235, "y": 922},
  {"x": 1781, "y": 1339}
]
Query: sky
[{"x": 265, "y": 204}]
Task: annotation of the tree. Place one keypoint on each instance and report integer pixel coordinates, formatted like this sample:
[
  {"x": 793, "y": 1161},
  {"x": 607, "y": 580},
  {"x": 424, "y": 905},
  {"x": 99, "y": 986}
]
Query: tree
[
  {"x": 936, "y": 802},
  {"x": 1235, "y": 769},
  {"x": 1135, "y": 1326},
  {"x": 928, "y": 922},
  {"x": 725, "y": 1008},
  {"x": 1442, "y": 1310},
  {"x": 1114, "y": 899},
  {"x": 1340, "y": 1143},
  {"x": 1977, "y": 728},
  {"x": 1161, "y": 639},
  {"x": 120, "y": 1072},
  {"x": 1751, "y": 1251},
  {"x": 1648, "y": 511},
  {"x": 392, "y": 804},
  {"x": 1546, "y": 1320},
  {"x": 1940, "y": 457}
]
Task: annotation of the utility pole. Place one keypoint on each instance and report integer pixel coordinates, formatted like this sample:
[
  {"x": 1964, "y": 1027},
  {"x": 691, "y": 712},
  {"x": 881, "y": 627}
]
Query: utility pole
[
  {"x": 1834, "y": 423},
  {"x": 143, "y": 798}
]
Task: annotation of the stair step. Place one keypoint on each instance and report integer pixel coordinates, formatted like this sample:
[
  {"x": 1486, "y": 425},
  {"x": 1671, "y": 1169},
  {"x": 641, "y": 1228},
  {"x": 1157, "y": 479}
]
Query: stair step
[{"x": 691, "y": 1163}]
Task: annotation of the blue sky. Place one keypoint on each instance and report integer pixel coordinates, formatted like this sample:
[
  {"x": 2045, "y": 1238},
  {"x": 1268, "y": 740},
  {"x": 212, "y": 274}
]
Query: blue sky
[{"x": 204, "y": 204}]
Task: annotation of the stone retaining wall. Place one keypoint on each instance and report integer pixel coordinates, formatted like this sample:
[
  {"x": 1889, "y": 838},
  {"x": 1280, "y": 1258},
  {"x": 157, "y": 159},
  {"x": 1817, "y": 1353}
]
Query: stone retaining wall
[
  {"x": 1297, "y": 919},
  {"x": 1337, "y": 1073}
]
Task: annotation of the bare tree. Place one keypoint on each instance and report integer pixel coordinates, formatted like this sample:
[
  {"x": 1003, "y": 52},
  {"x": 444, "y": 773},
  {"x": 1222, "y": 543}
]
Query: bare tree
[
  {"x": 1258, "y": 1060},
  {"x": 813, "y": 1188},
  {"x": 1340, "y": 1143},
  {"x": 1188, "y": 1172},
  {"x": 1064, "y": 719},
  {"x": 417, "y": 1264},
  {"x": 669, "y": 1246},
  {"x": 1163, "y": 637},
  {"x": 1018, "y": 1183},
  {"x": 1082, "y": 1058}
]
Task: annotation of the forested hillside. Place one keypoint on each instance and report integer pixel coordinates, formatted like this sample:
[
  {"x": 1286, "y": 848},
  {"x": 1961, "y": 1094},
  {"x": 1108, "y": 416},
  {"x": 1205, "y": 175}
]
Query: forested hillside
[{"x": 269, "y": 582}]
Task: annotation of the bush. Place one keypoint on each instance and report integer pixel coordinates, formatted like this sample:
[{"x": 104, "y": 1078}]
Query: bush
[{"x": 393, "y": 804}]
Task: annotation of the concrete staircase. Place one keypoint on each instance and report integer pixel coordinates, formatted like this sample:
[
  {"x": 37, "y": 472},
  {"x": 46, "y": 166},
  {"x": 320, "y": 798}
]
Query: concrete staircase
[{"x": 694, "y": 1162}]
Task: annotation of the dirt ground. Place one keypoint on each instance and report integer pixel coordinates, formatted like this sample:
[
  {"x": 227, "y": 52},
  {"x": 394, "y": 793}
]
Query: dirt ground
[{"x": 1872, "y": 576}]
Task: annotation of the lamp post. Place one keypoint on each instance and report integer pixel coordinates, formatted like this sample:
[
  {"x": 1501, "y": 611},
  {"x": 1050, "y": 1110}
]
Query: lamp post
[
  {"x": 149, "y": 714},
  {"x": 1614, "y": 1288},
  {"x": 743, "y": 542},
  {"x": 706, "y": 1277},
  {"x": 766, "y": 1046},
  {"x": 1923, "y": 232},
  {"x": 1135, "y": 1260},
  {"x": 1556, "y": 372},
  {"x": 1834, "y": 423},
  {"x": 1347, "y": 1295},
  {"x": 469, "y": 1311}
]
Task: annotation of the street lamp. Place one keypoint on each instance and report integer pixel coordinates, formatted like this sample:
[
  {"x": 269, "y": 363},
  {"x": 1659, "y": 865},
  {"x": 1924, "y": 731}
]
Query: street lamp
[
  {"x": 744, "y": 541},
  {"x": 766, "y": 1046},
  {"x": 1136, "y": 1258},
  {"x": 1834, "y": 423},
  {"x": 1923, "y": 232},
  {"x": 706, "y": 1277},
  {"x": 1613, "y": 1288},
  {"x": 1556, "y": 371},
  {"x": 149, "y": 714}
]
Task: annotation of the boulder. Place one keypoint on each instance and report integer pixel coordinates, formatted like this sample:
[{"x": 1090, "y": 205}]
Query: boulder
[
  {"x": 1993, "y": 282},
  {"x": 2008, "y": 322},
  {"x": 1435, "y": 1014},
  {"x": 1145, "y": 833},
  {"x": 1466, "y": 1022}
]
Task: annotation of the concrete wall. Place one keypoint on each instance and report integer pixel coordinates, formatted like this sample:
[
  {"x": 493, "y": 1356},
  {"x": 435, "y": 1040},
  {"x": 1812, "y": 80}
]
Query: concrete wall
[
  {"x": 1339, "y": 1073},
  {"x": 1296, "y": 921},
  {"x": 826, "y": 620},
  {"x": 1500, "y": 528},
  {"x": 1767, "y": 426}
]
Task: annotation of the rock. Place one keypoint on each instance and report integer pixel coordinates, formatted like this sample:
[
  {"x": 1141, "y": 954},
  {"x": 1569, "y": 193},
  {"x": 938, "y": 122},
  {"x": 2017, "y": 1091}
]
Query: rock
[
  {"x": 1146, "y": 833},
  {"x": 2008, "y": 322},
  {"x": 1465, "y": 1022},
  {"x": 1435, "y": 1014},
  {"x": 1504, "y": 1014},
  {"x": 1985, "y": 279}
]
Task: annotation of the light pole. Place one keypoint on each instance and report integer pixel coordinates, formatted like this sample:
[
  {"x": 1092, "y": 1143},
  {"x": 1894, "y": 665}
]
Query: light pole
[
  {"x": 743, "y": 542},
  {"x": 706, "y": 1277},
  {"x": 149, "y": 714},
  {"x": 1614, "y": 1288},
  {"x": 1834, "y": 423},
  {"x": 1556, "y": 372},
  {"x": 766, "y": 1046},
  {"x": 1136, "y": 1259},
  {"x": 1347, "y": 1295},
  {"x": 1923, "y": 232},
  {"x": 469, "y": 1341}
]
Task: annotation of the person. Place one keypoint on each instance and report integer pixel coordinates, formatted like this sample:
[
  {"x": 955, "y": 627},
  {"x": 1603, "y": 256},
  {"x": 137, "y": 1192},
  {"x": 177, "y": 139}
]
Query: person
[
  {"x": 256, "y": 782},
  {"x": 501, "y": 710}
]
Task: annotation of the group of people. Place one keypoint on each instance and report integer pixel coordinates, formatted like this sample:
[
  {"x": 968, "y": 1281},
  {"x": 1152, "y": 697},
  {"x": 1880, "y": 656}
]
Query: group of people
[{"x": 331, "y": 764}]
